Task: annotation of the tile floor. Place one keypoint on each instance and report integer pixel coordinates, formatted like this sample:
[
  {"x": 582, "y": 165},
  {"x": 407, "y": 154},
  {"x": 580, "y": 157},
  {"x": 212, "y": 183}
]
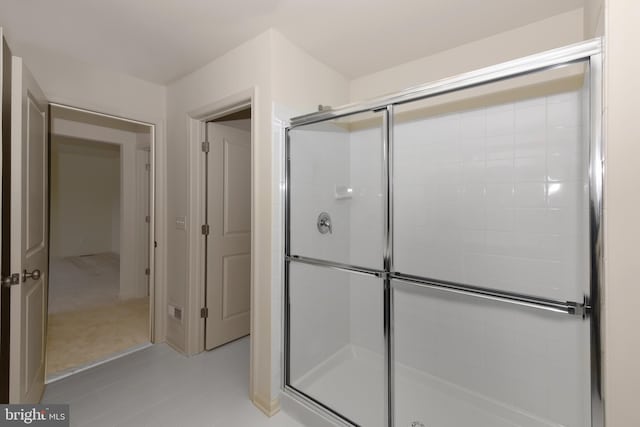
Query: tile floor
[{"x": 159, "y": 387}]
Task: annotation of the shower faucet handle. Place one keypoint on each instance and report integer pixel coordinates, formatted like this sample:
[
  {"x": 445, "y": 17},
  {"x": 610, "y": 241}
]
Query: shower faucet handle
[{"x": 324, "y": 223}]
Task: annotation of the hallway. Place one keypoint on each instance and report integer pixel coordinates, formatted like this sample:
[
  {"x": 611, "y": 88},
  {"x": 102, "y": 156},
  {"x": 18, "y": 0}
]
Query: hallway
[{"x": 82, "y": 282}]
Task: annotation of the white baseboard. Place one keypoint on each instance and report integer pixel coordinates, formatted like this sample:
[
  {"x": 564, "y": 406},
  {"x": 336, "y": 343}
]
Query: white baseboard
[{"x": 269, "y": 408}]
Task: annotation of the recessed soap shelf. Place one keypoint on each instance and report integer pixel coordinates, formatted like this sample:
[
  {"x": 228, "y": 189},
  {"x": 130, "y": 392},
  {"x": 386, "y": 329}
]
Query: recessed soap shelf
[{"x": 343, "y": 192}]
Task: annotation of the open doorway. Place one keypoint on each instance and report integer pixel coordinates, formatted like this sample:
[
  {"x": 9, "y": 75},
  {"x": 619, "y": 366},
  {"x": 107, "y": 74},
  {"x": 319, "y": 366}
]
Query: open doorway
[
  {"x": 100, "y": 291},
  {"x": 227, "y": 230}
]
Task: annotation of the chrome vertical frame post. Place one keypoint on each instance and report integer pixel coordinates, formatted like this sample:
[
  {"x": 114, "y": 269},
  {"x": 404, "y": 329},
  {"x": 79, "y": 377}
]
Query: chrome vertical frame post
[
  {"x": 387, "y": 184},
  {"x": 387, "y": 191},
  {"x": 286, "y": 376},
  {"x": 596, "y": 235}
]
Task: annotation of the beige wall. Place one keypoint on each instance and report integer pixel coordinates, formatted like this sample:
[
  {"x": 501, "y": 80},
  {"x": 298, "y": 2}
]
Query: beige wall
[
  {"x": 622, "y": 202},
  {"x": 85, "y": 183},
  {"x": 68, "y": 81},
  {"x": 556, "y": 31},
  {"x": 593, "y": 18},
  {"x": 301, "y": 82},
  {"x": 276, "y": 72},
  {"x": 246, "y": 68}
]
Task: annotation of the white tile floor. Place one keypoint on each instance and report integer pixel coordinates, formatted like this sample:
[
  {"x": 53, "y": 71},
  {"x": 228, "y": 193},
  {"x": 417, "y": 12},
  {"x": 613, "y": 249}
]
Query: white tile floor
[{"x": 159, "y": 387}]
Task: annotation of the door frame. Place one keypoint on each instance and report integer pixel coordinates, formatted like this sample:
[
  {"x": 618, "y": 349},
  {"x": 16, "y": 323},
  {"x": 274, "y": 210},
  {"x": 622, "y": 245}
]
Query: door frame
[
  {"x": 157, "y": 212},
  {"x": 196, "y": 123},
  {"x": 5, "y": 207}
]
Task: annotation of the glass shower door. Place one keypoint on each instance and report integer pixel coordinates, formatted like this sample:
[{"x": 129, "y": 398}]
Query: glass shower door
[
  {"x": 491, "y": 256},
  {"x": 335, "y": 253},
  {"x": 443, "y": 251}
]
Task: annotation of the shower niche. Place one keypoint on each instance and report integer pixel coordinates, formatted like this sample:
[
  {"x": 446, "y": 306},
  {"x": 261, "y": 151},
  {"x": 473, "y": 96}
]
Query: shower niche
[{"x": 458, "y": 283}]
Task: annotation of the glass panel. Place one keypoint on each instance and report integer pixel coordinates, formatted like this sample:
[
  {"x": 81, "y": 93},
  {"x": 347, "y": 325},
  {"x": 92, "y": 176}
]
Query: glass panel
[
  {"x": 461, "y": 361},
  {"x": 336, "y": 167},
  {"x": 491, "y": 186},
  {"x": 336, "y": 341}
]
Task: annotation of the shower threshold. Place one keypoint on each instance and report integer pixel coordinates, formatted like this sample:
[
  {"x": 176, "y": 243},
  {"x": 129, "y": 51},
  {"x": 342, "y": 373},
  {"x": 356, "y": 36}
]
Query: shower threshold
[{"x": 351, "y": 382}]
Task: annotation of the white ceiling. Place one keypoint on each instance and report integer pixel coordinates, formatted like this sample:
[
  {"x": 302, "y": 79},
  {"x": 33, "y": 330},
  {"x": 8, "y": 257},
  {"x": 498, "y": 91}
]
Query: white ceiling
[{"x": 161, "y": 40}]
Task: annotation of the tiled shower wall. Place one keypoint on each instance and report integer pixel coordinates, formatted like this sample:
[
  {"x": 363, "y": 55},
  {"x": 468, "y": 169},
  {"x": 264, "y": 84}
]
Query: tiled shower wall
[
  {"x": 496, "y": 197},
  {"x": 320, "y": 298}
]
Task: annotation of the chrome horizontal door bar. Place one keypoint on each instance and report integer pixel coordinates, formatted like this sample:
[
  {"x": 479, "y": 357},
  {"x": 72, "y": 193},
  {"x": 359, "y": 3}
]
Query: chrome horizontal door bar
[
  {"x": 518, "y": 67},
  {"x": 335, "y": 265},
  {"x": 567, "y": 307}
]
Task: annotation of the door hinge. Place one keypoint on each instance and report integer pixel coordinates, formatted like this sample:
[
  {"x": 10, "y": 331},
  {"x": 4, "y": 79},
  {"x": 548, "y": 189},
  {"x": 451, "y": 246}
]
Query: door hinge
[
  {"x": 147, "y": 271},
  {"x": 147, "y": 219},
  {"x": 155, "y": 244},
  {"x": 206, "y": 229},
  {"x": 147, "y": 166},
  {"x": 205, "y": 146},
  {"x": 204, "y": 312},
  {"x": 14, "y": 279}
]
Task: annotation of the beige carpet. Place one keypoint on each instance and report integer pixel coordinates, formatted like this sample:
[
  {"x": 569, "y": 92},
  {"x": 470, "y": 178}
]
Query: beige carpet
[
  {"x": 80, "y": 282},
  {"x": 79, "y": 337}
]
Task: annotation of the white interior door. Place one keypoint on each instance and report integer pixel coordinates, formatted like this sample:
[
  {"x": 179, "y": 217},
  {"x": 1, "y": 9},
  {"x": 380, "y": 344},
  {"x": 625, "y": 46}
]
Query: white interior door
[
  {"x": 29, "y": 246},
  {"x": 5, "y": 69},
  {"x": 229, "y": 241}
]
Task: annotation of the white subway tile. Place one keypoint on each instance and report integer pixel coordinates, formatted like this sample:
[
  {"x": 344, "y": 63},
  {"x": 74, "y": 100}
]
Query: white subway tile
[
  {"x": 472, "y": 125},
  {"x": 530, "y": 169},
  {"x": 530, "y": 195},
  {"x": 565, "y": 168},
  {"x": 499, "y": 147},
  {"x": 536, "y": 220},
  {"x": 499, "y": 195},
  {"x": 498, "y": 219},
  {"x": 531, "y": 119},
  {"x": 530, "y": 144},
  {"x": 561, "y": 137},
  {"x": 566, "y": 194},
  {"x": 471, "y": 149},
  {"x": 499, "y": 170},
  {"x": 500, "y": 121},
  {"x": 563, "y": 114}
]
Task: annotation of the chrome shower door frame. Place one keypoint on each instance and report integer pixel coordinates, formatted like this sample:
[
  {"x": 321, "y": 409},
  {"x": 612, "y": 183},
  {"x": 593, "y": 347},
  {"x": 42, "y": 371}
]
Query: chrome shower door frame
[{"x": 588, "y": 52}]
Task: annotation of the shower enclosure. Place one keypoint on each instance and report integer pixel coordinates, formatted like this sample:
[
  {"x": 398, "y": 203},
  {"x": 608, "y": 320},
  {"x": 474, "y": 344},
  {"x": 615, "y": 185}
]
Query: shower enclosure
[{"x": 443, "y": 251}]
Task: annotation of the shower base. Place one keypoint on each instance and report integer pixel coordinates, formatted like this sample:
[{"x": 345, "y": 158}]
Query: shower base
[{"x": 351, "y": 382}]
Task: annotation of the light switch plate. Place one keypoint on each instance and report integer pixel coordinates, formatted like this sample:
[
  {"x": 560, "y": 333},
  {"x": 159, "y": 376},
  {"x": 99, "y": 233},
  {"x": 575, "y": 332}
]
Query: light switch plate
[{"x": 181, "y": 223}]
